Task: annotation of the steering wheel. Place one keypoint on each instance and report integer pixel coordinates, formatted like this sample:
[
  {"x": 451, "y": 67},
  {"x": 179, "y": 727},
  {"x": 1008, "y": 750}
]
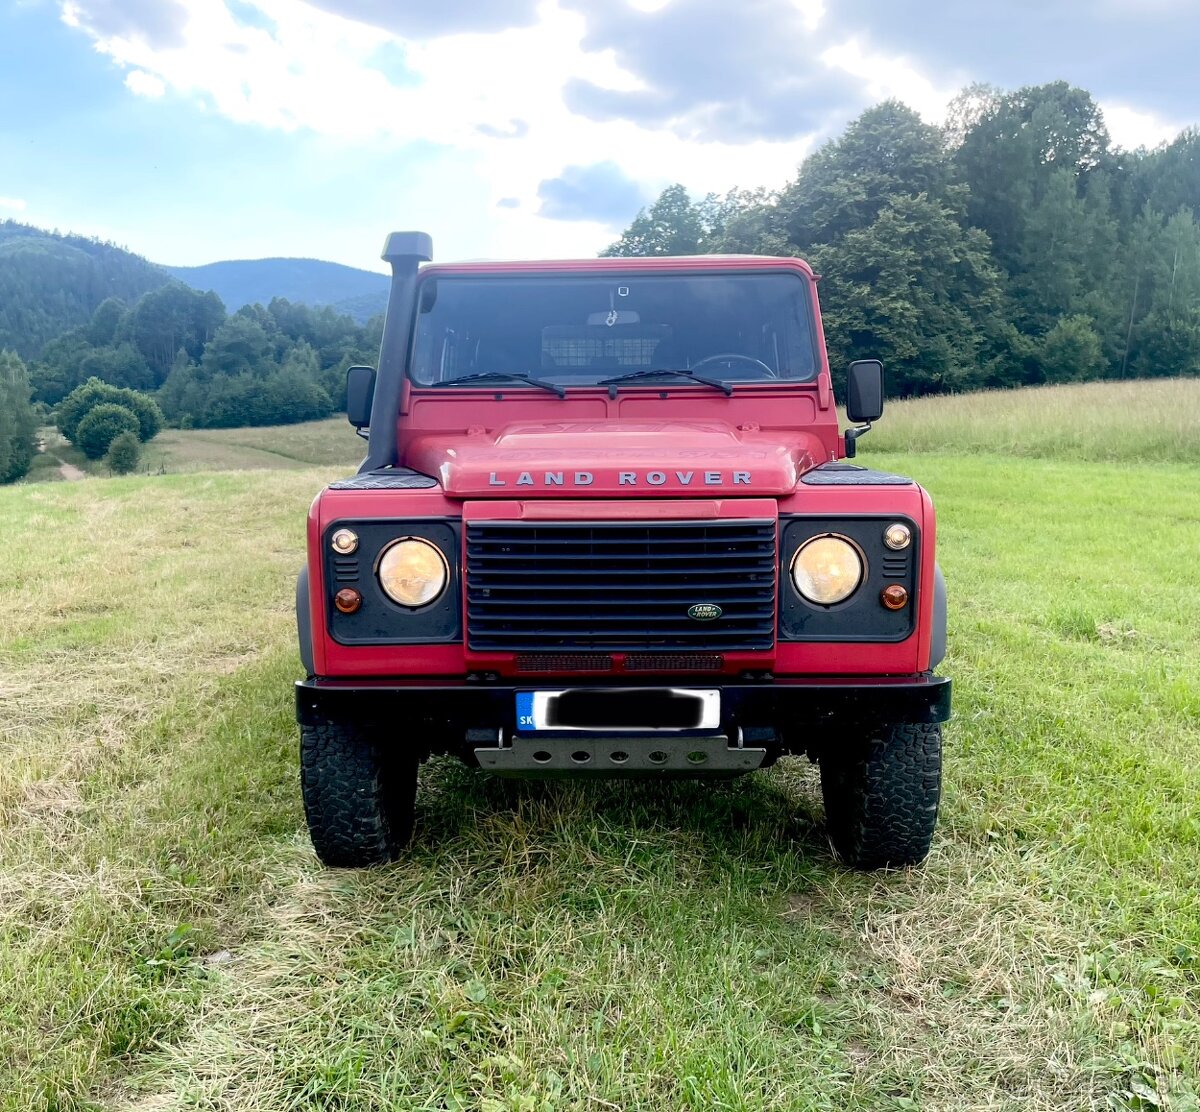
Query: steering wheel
[{"x": 735, "y": 357}]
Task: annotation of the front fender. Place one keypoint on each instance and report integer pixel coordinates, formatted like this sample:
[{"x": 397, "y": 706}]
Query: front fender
[
  {"x": 304, "y": 623},
  {"x": 937, "y": 640}
]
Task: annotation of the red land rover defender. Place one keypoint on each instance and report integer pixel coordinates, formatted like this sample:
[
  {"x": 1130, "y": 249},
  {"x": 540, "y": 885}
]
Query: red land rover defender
[{"x": 603, "y": 529}]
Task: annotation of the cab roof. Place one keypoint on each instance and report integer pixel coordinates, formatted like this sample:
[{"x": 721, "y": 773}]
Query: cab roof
[{"x": 658, "y": 263}]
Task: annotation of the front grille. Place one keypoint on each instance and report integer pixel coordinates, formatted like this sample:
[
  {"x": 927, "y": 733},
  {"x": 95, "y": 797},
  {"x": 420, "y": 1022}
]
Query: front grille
[{"x": 620, "y": 586}]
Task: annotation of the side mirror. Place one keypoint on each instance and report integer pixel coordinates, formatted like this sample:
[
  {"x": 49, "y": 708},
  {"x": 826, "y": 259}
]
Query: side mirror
[
  {"x": 360, "y": 389},
  {"x": 864, "y": 391}
]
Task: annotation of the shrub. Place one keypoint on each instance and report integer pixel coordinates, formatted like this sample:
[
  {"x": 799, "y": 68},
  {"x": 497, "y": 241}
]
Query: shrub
[
  {"x": 83, "y": 399},
  {"x": 1071, "y": 351},
  {"x": 124, "y": 453},
  {"x": 102, "y": 426}
]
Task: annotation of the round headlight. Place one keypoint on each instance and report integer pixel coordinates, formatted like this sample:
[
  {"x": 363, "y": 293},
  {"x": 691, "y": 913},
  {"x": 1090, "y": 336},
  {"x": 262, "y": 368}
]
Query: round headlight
[
  {"x": 827, "y": 570},
  {"x": 413, "y": 572}
]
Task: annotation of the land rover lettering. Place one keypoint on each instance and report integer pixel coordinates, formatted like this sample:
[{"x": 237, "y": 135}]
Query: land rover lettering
[{"x": 653, "y": 478}]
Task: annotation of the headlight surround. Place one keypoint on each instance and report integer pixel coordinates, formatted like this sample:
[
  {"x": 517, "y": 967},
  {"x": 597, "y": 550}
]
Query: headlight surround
[
  {"x": 413, "y": 572},
  {"x": 828, "y": 569}
]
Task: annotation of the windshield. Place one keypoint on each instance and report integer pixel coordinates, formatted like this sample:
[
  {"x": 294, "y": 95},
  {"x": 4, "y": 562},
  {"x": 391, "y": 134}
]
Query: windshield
[{"x": 580, "y": 331}]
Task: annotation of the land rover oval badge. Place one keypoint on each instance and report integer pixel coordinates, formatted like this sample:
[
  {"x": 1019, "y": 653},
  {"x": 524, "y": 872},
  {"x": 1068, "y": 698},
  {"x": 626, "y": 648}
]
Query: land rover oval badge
[{"x": 704, "y": 612}]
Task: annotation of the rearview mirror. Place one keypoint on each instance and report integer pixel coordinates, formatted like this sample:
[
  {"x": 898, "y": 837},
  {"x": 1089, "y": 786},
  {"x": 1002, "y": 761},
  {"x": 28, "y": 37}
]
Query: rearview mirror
[
  {"x": 612, "y": 317},
  {"x": 864, "y": 390},
  {"x": 360, "y": 389}
]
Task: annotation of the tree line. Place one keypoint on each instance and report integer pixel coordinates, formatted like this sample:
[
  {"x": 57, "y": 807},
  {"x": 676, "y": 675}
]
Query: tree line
[
  {"x": 205, "y": 368},
  {"x": 1015, "y": 245}
]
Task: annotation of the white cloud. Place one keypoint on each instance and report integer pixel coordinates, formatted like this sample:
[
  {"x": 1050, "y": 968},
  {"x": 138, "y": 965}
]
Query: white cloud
[
  {"x": 489, "y": 104},
  {"x": 887, "y": 77},
  {"x": 302, "y": 69},
  {"x": 16, "y": 204},
  {"x": 1130, "y": 128},
  {"x": 145, "y": 84}
]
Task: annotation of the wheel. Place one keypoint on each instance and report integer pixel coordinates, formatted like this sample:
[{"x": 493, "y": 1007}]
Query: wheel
[
  {"x": 359, "y": 798},
  {"x": 881, "y": 798}
]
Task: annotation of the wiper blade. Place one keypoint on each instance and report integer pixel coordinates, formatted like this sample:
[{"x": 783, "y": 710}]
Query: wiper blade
[
  {"x": 655, "y": 372},
  {"x": 504, "y": 376}
]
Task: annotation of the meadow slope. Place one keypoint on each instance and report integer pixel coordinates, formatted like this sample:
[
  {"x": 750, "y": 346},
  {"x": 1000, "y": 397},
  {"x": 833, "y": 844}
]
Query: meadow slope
[{"x": 168, "y": 940}]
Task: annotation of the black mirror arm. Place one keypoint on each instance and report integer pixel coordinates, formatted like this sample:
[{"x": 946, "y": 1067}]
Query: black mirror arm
[
  {"x": 363, "y": 430},
  {"x": 852, "y": 435}
]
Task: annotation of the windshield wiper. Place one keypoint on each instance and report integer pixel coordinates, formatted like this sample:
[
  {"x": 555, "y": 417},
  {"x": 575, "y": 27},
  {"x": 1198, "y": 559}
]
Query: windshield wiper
[
  {"x": 504, "y": 376},
  {"x": 654, "y": 372}
]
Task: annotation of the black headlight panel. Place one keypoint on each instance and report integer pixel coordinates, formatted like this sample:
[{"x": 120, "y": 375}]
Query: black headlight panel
[
  {"x": 854, "y": 560},
  {"x": 357, "y": 565}
]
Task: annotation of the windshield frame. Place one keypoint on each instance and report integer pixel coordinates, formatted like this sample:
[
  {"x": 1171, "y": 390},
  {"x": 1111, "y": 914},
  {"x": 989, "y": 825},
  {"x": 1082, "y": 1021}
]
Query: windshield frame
[{"x": 793, "y": 268}]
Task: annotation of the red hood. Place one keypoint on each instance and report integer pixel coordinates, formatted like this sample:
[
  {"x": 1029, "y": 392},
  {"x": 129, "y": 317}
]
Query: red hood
[{"x": 633, "y": 458}]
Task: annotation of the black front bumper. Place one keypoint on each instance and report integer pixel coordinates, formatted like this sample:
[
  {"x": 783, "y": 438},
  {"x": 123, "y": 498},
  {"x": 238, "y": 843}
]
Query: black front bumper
[{"x": 445, "y": 710}]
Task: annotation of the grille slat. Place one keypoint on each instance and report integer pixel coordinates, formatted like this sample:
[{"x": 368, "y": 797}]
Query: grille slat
[
  {"x": 600, "y": 543},
  {"x": 620, "y": 586},
  {"x": 606, "y": 554},
  {"x": 585, "y": 574}
]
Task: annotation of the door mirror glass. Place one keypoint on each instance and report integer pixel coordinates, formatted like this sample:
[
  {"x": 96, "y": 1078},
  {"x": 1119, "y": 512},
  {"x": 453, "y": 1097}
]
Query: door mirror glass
[
  {"x": 360, "y": 389},
  {"x": 864, "y": 391}
]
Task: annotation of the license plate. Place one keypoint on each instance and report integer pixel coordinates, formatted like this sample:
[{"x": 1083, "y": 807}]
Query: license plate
[{"x": 633, "y": 709}]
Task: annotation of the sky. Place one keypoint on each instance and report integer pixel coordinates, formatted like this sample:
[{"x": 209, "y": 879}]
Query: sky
[{"x": 196, "y": 130}]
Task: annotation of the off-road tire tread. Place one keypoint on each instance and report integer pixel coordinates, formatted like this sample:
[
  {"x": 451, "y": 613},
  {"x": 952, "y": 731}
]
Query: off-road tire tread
[
  {"x": 358, "y": 798},
  {"x": 881, "y": 799}
]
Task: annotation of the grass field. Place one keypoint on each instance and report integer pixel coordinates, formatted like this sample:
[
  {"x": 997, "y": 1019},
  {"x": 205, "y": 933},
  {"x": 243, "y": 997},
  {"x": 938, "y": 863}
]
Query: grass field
[
  {"x": 1145, "y": 421},
  {"x": 329, "y": 443},
  {"x": 168, "y": 940}
]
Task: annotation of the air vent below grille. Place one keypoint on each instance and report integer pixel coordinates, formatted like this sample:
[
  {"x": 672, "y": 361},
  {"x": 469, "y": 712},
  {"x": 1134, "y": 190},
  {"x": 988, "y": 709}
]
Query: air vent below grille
[
  {"x": 674, "y": 662},
  {"x": 564, "y": 662}
]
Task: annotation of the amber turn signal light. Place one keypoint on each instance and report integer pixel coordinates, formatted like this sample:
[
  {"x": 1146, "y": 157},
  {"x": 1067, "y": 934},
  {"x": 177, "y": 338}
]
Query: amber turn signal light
[
  {"x": 894, "y": 597},
  {"x": 347, "y": 600}
]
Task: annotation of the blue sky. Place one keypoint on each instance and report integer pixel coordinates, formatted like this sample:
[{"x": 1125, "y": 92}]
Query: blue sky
[{"x": 196, "y": 130}]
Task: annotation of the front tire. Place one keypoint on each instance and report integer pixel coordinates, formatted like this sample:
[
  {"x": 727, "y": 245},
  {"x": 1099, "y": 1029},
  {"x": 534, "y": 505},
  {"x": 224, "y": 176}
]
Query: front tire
[
  {"x": 881, "y": 798},
  {"x": 359, "y": 798}
]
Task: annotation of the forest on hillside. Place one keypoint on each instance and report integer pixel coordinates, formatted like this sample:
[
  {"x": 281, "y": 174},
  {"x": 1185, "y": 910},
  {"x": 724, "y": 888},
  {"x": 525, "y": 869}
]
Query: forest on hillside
[
  {"x": 50, "y": 283},
  {"x": 267, "y": 365},
  {"x": 73, "y": 309},
  {"x": 1014, "y": 246}
]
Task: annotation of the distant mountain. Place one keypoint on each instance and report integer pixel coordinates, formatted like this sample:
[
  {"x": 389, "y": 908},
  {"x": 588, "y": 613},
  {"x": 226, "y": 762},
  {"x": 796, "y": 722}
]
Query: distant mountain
[
  {"x": 357, "y": 293},
  {"x": 51, "y": 283}
]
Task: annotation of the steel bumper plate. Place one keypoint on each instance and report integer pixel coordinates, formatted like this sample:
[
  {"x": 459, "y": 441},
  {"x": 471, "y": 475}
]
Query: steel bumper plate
[{"x": 655, "y": 755}]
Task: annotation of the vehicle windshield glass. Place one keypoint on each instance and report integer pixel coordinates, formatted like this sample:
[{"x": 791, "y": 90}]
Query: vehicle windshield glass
[{"x": 578, "y": 331}]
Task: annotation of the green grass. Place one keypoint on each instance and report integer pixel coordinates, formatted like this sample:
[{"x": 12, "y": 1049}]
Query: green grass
[
  {"x": 168, "y": 940},
  {"x": 1144, "y": 420},
  {"x": 331, "y": 443}
]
